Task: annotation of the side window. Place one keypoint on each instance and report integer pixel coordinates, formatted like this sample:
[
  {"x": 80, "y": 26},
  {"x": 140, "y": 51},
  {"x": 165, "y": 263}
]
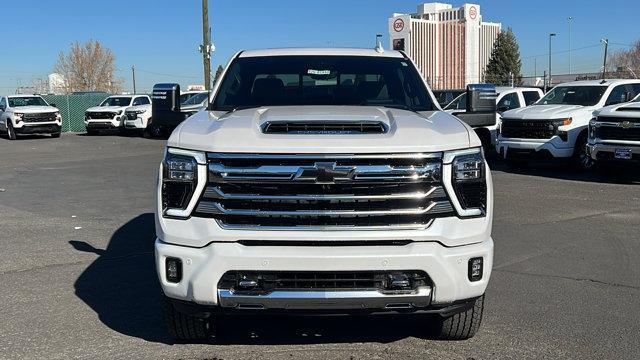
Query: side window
[
  {"x": 508, "y": 102},
  {"x": 619, "y": 94},
  {"x": 3, "y": 104},
  {"x": 530, "y": 97},
  {"x": 138, "y": 101},
  {"x": 635, "y": 89},
  {"x": 144, "y": 100}
]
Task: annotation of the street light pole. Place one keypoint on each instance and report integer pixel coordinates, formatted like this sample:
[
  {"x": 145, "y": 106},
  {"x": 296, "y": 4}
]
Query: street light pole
[
  {"x": 570, "y": 19},
  {"x": 133, "y": 74},
  {"x": 549, "y": 81},
  {"x": 206, "y": 44}
]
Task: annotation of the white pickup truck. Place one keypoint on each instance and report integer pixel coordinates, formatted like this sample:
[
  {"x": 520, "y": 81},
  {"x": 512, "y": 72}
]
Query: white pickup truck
[
  {"x": 614, "y": 134},
  {"x": 110, "y": 114},
  {"x": 557, "y": 125},
  {"x": 28, "y": 115},
  {"x": 323, "y": 180}
]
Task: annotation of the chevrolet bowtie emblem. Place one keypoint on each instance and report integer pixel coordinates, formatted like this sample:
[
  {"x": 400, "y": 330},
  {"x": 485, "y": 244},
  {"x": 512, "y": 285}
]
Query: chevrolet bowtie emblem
[
  {"x": 626, "y": 124},
  {"x": 325, "y": 173}
]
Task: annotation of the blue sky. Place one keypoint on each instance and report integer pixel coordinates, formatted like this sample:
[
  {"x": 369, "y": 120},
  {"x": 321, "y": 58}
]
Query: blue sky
[{"x": 160, "y": 37}]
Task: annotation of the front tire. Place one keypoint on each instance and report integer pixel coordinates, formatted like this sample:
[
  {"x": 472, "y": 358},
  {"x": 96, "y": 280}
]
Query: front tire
[
  {"x": 185, "y": 327},
  {"x": 11, "y": 132},
  {"x": 581, "y": 159},
  {"x": 55, "y": 135},
  {"x": 463, "y": 325}
]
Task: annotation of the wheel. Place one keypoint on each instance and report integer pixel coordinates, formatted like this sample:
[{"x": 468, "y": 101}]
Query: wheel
[
  {"x": 185, "y": 327},
  {"x": 146, "y": 132},
  {"x": 11, "y": 132},
  {"x": 581, "y": 159},
  {"x": 55, "y": 135},
  {"x": 463, "y": 325},
  {"x": 154, "y": 131}
]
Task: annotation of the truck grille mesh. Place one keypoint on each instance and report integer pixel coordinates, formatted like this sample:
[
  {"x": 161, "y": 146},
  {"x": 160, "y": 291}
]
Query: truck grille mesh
[
  {"x": 41, "y": 117},
  {"x": 304, "y": 191},
  {"x": 527, "y": 129}
]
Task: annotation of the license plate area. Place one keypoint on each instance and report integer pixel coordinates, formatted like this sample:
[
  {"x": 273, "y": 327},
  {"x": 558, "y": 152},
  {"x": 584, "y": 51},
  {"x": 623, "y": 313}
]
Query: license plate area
[{"x": 623, "y": 154}]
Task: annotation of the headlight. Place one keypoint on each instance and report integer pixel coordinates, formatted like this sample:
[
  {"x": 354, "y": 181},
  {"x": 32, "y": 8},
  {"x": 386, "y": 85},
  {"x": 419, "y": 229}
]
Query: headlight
[
  {"x": 119, "y": 112},
  {"x": 593, "y": 128},
  {"x": 180, "y": 181},
  {"x": 87, "y": 116},
  {"x": 18, "y": 115},
  {"x": 563, "y": 122},
  {"x": 140, "y": 111},
  {"x": 469, "y": 180}
]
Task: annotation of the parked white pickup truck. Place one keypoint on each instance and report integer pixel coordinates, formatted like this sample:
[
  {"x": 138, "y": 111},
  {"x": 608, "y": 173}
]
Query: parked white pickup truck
[
  {"x": 614, "y": 134},
  {"x": 508, "y": 98},
  {"x": 110, "y": 114},
  {"x": 28, "y": 115},
  {"x": 557, "y": 125},
  {"x": 323, "y": 180},
  {"x": 138, "y": 118}
]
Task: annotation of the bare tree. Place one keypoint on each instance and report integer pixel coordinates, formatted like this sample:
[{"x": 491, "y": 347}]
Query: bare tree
[
  {"x": 625, "y": 63},
  {"x": 88, "y": 67}
]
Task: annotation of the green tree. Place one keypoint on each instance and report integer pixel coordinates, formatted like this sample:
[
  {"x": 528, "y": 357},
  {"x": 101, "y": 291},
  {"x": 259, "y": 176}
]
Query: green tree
[{"x": 505, "y": 61}]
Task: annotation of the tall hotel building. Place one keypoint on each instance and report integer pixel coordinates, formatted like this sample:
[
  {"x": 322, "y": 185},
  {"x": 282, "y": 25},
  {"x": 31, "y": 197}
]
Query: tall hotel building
[{"x": 451, "y": 47}]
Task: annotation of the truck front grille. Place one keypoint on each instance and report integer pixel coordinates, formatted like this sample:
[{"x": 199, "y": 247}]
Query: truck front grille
[
  {"x": 527, "y": 129},
  {"x": 42, "y": 117},
  {"x": 101, "y": 115},
  {"x": 617, "y": 128},
  {"x": 324, "y": 191},
  {"x": 131, "y": 115}
]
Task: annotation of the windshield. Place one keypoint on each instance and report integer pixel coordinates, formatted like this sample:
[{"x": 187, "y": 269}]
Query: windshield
[
  {"x": 322, "y": 80},
  {"x": 117, "y": 101},
  {"x": 196, "y": 99},
  {"x": 573, "y": 95},
  {"x": 27, "y": 101}
]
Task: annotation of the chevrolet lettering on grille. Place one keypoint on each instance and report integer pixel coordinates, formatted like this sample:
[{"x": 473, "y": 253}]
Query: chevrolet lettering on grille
[{"x": 325, "y": 173}]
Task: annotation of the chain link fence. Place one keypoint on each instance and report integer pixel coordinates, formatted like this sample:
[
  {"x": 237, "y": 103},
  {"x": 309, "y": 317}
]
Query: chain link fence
[{"x": 73, "y": 107}]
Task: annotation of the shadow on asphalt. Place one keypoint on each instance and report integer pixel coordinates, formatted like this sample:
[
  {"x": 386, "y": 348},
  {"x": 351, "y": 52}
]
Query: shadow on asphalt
[
  {"x": 562, "y": 170},
  {"x": 121, "y": 286}
]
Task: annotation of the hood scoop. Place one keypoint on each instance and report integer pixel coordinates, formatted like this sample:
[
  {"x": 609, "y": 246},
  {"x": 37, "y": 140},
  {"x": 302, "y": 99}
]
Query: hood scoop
[{"x": 324, "y": 127}]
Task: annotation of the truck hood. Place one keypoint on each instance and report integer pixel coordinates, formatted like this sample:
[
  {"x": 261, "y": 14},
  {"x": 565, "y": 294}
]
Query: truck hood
[
  {"x": 625, "y": 110},
  {"x": 544, "y": 112},
  {"x": 106, "y": 108},
  {"x": 146, "y": 107},
  {"x": 34, "y": 109},
  {"x": 241, "y": 131}
]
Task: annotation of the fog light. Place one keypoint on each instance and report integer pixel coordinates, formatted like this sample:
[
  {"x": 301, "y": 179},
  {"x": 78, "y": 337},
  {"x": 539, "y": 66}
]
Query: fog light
[
  {"x": 475, "y": 269},
  {"x": 173, "y": 270}
]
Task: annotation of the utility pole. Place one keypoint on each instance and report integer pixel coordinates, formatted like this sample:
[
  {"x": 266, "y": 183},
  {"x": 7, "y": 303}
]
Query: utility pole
[
  {"x": 133, "y": 74},
  {"x": 535, "y": 67},
  {"x": 544, "y": 76},
  {"x": 604, "y": 61},
  {"x": 205, "y": 48},
  {"x": 550, "y": 36},
  {"x": 570, "y": 19}
]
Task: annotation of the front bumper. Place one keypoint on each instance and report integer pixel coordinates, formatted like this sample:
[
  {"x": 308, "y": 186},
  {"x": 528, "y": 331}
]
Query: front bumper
[
  {"x": 606, "y": 151},
  {"x": 39, "y": 128},
  {"x": 134, "y": 124},
  {"x": 103, "y": 124},
  {"x": 447, "y": 267},
  {"x": 554, "y": 146}
]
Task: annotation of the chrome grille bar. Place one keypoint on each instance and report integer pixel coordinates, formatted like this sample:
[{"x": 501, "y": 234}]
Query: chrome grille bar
[{"x": 436, "y": 207}]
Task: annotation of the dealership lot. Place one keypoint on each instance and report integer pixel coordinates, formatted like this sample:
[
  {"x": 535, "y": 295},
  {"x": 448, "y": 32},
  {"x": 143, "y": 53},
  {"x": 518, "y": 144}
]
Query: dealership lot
[{"x": 78, "y": 278}]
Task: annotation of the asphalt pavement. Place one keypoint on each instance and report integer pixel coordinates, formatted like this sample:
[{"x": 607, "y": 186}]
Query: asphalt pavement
[{"x": 77, "y": 276}]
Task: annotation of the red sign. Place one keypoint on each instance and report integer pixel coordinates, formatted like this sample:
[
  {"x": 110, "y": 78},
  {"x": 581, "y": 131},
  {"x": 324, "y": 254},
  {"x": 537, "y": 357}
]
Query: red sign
[
  {"x": 398, "y": 25},
  {"x": 473, "y": 13}
]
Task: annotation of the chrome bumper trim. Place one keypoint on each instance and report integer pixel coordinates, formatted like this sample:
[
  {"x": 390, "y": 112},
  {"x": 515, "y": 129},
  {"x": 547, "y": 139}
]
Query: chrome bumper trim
[
  {"x": 594, "y": 149},
  {"x": 311, "y": 300}
]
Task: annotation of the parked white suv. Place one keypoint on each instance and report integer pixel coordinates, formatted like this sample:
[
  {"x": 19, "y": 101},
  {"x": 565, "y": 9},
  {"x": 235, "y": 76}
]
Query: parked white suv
[
  {"x": 614, "y": 134},
  {"x": 110, "y": 113},
  {"x": 557, "y": 125},
  {"x": 508, "y": 98},
  {"x": 27, "y": 115},
  {"x": 323, "y": 180}
]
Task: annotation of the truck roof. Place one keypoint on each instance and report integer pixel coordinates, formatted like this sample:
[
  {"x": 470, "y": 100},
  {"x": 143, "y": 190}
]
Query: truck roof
[
  {"x": 607, "y": 82},
  {"x": 321, "y": 51}
]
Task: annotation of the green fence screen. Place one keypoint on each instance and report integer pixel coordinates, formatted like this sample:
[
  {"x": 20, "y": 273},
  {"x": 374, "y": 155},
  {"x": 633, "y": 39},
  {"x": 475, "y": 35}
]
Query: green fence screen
[{"x": 72, "y": 108}]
